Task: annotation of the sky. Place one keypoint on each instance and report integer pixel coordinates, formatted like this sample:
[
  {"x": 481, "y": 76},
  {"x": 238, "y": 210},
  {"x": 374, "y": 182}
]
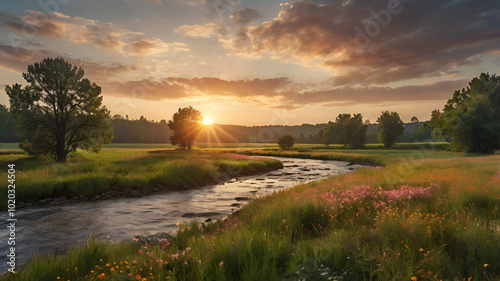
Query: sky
[{"x": 259, "y": 62}]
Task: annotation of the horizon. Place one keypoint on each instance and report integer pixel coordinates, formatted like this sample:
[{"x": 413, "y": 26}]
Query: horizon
[{"x": 256, "y": 63}]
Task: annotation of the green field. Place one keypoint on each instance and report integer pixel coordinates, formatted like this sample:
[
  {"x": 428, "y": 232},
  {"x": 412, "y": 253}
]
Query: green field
[
  {"x": 200, "y": 145},
  {"x": 122, "y": 169},
  {"x": 427, "y": 215}
]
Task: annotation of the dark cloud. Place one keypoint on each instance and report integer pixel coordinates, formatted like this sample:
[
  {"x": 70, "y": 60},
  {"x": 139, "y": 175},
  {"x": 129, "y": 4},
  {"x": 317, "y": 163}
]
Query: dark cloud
[
  {"x": 245, "y": 16},
  {"x": 382, "y": 41}
]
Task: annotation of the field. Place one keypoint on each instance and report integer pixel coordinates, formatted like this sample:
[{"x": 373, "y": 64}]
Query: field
[
  {"x": 122, "y": 171},
  {"x": 427, "y": 215}
]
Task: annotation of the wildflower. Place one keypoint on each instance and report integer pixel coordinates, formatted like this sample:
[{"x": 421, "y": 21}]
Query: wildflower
[
  {"x": 414, "y": 278},
  {"x": 485, "y": 265},
  {"x": 175, "y": 256},
  {"x": 107, "y": 264},
  {"x": 137, "y": 277},
  {"x": 101, "y": 276},
  {"x": 221, "y": 264}
]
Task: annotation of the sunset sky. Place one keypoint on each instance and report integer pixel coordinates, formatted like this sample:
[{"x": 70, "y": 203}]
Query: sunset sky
[{"x": 258, "y": 62}]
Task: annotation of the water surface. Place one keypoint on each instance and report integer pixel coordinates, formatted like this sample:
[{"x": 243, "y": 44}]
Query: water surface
[{"x": 57, "y": 228}]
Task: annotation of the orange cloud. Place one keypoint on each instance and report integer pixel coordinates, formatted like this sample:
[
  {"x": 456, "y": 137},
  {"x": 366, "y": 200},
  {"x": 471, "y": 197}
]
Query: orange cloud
[
  {"x": 282, "y": 92},
  {"x": 80, "y": 30},
  {"x": 207, "y": 30}
]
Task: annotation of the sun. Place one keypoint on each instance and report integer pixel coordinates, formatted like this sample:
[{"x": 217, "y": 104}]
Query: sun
[{"x": 207, "y": 121}]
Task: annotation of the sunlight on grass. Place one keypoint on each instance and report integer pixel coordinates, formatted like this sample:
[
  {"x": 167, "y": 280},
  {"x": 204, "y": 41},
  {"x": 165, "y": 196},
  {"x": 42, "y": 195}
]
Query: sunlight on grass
[{"x": 438, "y": 218}]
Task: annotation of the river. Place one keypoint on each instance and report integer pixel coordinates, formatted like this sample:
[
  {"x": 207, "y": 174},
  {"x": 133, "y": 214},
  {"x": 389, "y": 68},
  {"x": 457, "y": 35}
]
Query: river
[{"x": 56, "y": 228}]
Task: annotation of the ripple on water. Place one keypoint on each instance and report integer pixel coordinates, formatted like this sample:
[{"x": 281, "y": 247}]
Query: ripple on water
[{"x": 58, "y": 228}]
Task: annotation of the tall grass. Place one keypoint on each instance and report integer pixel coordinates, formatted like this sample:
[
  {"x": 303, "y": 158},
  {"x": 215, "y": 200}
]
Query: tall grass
[
  {"x": 438, "y": 221},
  {"x": 87, "y": 174}
]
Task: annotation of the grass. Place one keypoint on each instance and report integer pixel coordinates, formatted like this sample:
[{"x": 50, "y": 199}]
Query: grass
[
  {"x": 434, "y": 217},
  {"x": 377, "y": 156},
  {"x": 89, "y": 174}
]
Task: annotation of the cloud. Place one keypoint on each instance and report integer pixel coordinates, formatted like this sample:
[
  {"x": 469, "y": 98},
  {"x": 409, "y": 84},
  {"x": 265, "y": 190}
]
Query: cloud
[
  {"x": 82, "y": 31},
  {"x": 207, "y": 30},
  {"x": 156, "y": 46},
  {"x": 146, "y": 90},
  {"x": 364, "y": 43},
  {"x": 245, "y": 16},
  {"x": 349, "y": 95},
  {"x": 283, "y": 92},
  {"x": 160, "y": 2},
  {"x": 18, "y": 59}
]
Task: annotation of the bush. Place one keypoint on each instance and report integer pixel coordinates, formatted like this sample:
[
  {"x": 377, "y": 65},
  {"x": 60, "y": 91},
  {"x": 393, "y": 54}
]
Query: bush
[{"x": 286, "y": 142}]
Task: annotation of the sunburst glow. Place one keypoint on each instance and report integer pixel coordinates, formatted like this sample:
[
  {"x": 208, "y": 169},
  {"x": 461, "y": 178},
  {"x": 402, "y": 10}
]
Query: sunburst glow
[{"x": 207, "y": 121}]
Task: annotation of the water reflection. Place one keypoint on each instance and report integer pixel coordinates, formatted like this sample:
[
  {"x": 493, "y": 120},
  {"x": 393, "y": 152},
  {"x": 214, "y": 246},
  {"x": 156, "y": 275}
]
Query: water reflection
[{"x": 56, "y": 228}]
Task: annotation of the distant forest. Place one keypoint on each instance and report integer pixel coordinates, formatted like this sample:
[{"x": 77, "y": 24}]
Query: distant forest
[{"x": 149, "y": 131}]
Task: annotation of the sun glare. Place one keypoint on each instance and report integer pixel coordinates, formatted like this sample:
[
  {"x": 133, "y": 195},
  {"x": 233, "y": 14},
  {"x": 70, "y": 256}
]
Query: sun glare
[{"x": 207, "y": 121}]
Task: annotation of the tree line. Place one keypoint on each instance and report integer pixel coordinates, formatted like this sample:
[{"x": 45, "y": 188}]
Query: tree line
[{"x": 60, "y": 110}]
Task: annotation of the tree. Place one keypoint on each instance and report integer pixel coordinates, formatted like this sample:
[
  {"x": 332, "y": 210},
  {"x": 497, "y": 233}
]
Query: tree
[
  {"x": 346, "y": 130},
  {"x": 7, "y": 133},
  {"x": 470, "y": 120},
  {"x": 325, "y": 136},
  {"x": 185, "y": 125},
  {"x": 390, "y": 127},
  {"x": 59, "y": 110},
  {"x": 414, "y": 119},
  {"x": 437, "y": 123},
  {"x": 286, "y": 142}
]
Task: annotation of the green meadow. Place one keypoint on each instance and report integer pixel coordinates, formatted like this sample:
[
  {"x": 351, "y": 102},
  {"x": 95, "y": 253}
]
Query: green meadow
[
  {"x": 122, "y": 168},
  {"x": 427, "y": 214}
]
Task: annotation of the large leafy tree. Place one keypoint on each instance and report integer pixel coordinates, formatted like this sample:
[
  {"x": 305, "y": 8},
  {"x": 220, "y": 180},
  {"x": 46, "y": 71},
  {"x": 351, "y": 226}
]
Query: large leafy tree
[
  {"x": 59, "y": 110},
  {"x": 346, "y": 130},
  {"x": 390, "y": 127},
  {"x": 470, "y": 120},
  {"x": 185, "y": 125}
]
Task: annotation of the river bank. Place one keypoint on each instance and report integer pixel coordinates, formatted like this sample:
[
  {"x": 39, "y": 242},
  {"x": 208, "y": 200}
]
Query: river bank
[
  {"x": 122, "y": 173},
  {"x": 428, "y": 218},
  {"x": 123, "y": 218}
]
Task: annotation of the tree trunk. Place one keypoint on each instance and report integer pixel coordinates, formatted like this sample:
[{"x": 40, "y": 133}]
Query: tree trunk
[{"x": 60, "y": 149}]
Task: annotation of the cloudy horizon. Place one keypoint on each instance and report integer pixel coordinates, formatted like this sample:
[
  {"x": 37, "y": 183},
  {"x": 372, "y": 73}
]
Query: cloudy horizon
[{"x": 260, "y": 62}]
